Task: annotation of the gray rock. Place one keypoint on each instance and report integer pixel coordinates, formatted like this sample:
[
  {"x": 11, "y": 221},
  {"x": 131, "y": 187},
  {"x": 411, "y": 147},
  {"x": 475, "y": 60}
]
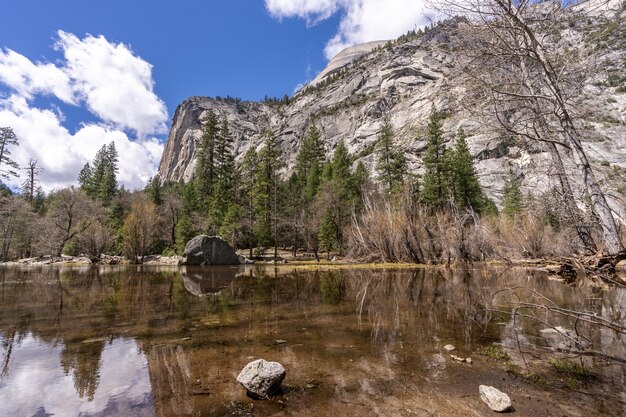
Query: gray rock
[
  {"x": 495, "y": 399},
  {"x": 262, "y": 378},
  {"x": 210, "y": 250},
  {"x": 402, "y": 83}
]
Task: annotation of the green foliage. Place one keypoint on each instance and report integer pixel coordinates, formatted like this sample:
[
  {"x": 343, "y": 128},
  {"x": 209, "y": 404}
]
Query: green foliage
[
  {"x": 495, "y": 352},
  {"x": 328, "y": 235},
  {"x": 265, "y": 190},
  {"x": 7, "y": 139},
  {"x": 205, "y": 157},
  {"x": 154, "y": 190},
  {"x": 391, "y": 165},
  {"x": 435, "y": 184},
  {"x": 512, "y": 198},
  {"x": 570, "y": 368},
  {"x": 464, "y": 180},
  {"x": 99, "y": 179}
]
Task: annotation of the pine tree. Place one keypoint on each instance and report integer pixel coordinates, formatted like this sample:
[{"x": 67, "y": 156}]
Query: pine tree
[
  {"x": 205, "y": 157},
  {"x": 266, "y": 193},
  {"x": 248, "y": 171},
  {"x": 85, "y": 178},
  {"x": 512, "y": 198},
  {"x": 7, "y": 139},
  {"x": 329, "y": 231},
  {"x": 185, "y": 229},
  {"x": 466, "y": 186},
  {"x": 391, "y": 165},
  {"x": 99, "y": 180},
  {"x": 435, "y": 184},
  {"x": 154, "y": 189},
  {"x": 108, "y": 185},
  {"x": 311, "y": 152},
  {"x": 225, "y": 177}
]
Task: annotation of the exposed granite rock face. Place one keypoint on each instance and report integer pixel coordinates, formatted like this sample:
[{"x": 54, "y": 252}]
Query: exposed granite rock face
[
  {"x": 403, "y": 82},
  {"x": 210, "y": 250}
]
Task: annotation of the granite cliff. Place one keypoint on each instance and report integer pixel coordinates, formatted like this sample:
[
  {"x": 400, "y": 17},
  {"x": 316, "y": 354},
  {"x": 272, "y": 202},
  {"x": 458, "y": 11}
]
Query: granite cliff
[{"x": 402, "y": 80}]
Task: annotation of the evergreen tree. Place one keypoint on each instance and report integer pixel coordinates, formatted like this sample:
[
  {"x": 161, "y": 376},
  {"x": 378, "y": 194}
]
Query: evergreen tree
[
  {"x": 248, "y": 171},
  {"x": 205, "y": 157},
  {"x": 185, "y": 228},
  {"x": 328, "y": 235},
  {"x": 466, "y": 186},
  {"x": 226, "y": 178},
  {"x": 311, "y": 152},
  {"x": 512, "y": 198},
  {"x": 99, "y": 180},
  {"x": 7, "y": 139},
  {"x": 391, "y": 165},
  {"x": 154, "y": 189},
  {"x": 85, "y": 178},
  {"x": 435, "y": 184},
  {"x": 266, "y": 193},
  {"x": 108, "y": 185}
]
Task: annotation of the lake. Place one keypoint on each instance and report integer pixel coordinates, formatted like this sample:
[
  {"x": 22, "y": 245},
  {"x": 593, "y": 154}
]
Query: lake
[{"x": 170, "y": 341}]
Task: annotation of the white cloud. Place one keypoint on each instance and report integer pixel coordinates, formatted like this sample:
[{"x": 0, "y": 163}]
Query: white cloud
[
  {"x": 28, "y": 78},
  {"x": 116, "y": 85},
  {"x": 361, "y": 21},
  {"x": 111, "y": 82},
  {"x": 62, "y": 154}
]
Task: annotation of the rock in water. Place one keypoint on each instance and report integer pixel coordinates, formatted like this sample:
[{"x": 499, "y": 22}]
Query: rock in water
[
  {"x": 494, "y": 398},
  {"x": 262, "y": 378},
  {"x": 210, "y": 250}
]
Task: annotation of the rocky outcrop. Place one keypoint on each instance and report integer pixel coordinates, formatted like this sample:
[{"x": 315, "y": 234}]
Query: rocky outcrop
[
  {"x": 495, "y": 399},
  {"x": 349, "y": 100},
  {"x": 261, "y": 378},
  {"x": 210, "y": 250}
]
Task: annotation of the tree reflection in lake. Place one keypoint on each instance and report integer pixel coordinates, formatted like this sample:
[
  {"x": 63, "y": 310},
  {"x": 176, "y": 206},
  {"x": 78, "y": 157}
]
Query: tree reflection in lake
[{"x": 368, "y": 339}]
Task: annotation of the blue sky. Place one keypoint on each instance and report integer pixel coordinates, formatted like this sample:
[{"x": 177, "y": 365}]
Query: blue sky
[{"x": 76, "y": 74}]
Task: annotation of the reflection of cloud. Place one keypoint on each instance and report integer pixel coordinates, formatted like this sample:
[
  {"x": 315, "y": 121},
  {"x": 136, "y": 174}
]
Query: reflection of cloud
[{"x": 36, "y": 382}]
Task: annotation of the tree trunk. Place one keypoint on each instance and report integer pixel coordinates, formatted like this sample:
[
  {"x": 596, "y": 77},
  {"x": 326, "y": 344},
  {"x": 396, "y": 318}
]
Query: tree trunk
[{"x": 599, "y": 204}]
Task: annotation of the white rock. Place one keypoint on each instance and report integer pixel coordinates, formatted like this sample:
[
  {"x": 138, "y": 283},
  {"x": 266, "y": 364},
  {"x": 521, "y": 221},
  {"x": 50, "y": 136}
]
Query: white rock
[
  {"x": 494, "y": 398},
  {"x": 449, "y": 348},
  {"x": 262, "y": 378}
]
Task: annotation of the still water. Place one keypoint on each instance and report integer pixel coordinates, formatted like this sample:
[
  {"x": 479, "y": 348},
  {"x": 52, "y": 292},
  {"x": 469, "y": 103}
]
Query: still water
[{"x": 170, "y": 341}]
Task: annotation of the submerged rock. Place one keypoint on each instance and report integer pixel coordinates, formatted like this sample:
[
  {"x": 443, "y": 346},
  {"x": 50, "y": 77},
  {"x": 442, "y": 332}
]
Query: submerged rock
[
  {"x": 262, "y": 378},
  {"x": 495, "y": 399},
  {"x": 449, "y": 348},
  {"x": 210, "y": 250}
]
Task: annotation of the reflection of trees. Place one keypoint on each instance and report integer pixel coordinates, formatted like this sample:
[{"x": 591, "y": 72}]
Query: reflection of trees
[{"x": 83, "y": 360}]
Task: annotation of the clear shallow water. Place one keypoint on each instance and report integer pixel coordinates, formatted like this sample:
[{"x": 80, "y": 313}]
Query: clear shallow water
[{"x": 169, "y": 341}]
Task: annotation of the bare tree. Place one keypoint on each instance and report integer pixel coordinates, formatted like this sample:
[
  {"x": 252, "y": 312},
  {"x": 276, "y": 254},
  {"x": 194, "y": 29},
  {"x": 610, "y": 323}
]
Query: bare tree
[
  {"x": 69, "y": 215},
  {"x": 507, "y": 48},
  {"x": 140, "y": 229},
  {"x": 17, "y": 225},
  {"x": 29, "y": 186}
]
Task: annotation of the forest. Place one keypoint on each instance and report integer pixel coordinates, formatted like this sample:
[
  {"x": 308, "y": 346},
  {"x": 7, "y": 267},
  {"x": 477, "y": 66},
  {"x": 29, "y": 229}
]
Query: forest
[{"x": 324, "y": 208}]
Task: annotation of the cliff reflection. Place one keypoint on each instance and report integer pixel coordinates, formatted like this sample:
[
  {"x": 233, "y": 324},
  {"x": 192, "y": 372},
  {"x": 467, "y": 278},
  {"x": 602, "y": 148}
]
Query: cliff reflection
[{"x": 362, "y": 335}]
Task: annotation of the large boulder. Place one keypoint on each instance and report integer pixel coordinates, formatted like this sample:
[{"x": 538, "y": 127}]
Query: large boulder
[
  {"x": 210, "y": 250},
  {"x": 495, "y": 399},
  {"x": 262, "y": 378}
]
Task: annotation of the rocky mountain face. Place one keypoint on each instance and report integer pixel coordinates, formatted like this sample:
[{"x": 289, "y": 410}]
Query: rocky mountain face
[{"x": 402, "y": 80}]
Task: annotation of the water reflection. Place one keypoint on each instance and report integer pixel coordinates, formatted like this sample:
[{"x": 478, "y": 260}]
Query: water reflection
[
  {"x": 38, "y": 383},
  {"x": 170, "y": 341},
  {"x": 203, "y": 282}
]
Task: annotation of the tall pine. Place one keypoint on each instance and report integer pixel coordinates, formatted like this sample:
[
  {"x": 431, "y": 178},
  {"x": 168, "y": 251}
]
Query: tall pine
[
  {"x": 391, "y": 165},
  {"x": 435, "y": 190}
]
